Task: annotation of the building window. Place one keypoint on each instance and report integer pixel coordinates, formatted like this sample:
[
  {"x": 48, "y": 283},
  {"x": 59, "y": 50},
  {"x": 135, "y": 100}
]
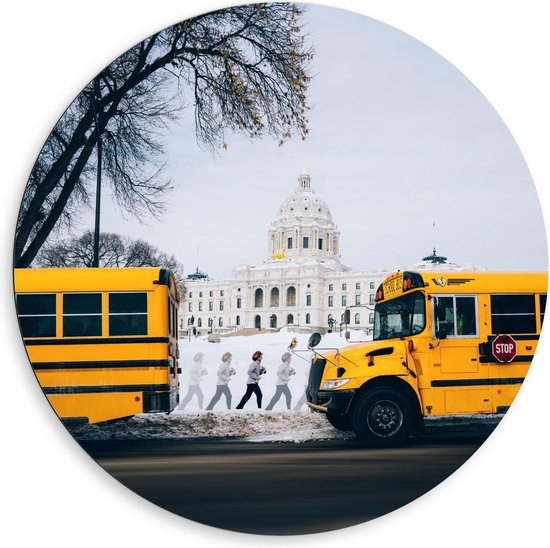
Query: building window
[
  {"x": 308, "y": 319},
  {"x": 210, "y": 306},
  {"x": 200, "y": 306},
  {"x": 320, "y": 243},
  {"x": 37, "y": 314},
  {"x": 82, "y": 314},
  {"x": 238, "y": 320},
  {"x": 291, "y": 296},
  {"x": 330, "y": 287},
  {"x": 289, "y": 243},
  {"x": 127, "y": 313},
  {"x": 306, "y": 242},
  {"x": 357, "y": 285},
  {"x": 371, "y": 298},
  {"x": 357, "y": 319},
  {"x": 290, "y": 319},
  {"x": 259, "y": 298},
  {"x": 344, "y": 287},
  {"x": 274, "y": 300},
  {"x": 222, "y": 293},
  {"x": 199, "y": 322},
  {"x": 220, "y": 322},
  {"x": 211, "y": 294},
  {"x": 200, "y": 294},
  {"x": 371, "y": 317},
  {"x": 357, "y": 299},
  {"x": 190, "y": 294},
  {"x": 221, "y": 306},
  {"x": 371, "y": 285},
  {"x": 344, "y": 300},
  {"x": 330, "y": 300},
  {"x": 239, "y": 303},
  {"x": 190, "y": 307},
  {"x": 308, "y": 300}
]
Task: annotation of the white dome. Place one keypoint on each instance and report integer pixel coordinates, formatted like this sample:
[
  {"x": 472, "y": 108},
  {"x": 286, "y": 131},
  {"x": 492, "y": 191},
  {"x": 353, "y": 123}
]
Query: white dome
[
  {"x": 304, "y": 203},
  {"x": 303, "y": 228}
]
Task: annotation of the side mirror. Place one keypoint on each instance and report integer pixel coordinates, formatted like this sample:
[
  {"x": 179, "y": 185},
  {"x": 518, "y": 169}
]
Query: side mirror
[
  {"x": 441, "y": 334},
  {"x": 293, "y": 343},
  {"x": 314, "y": 340}
]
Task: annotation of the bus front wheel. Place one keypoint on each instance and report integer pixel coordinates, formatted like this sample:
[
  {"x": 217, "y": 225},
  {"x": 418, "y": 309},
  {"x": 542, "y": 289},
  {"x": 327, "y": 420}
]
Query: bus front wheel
[{"x": 383, "y": 417}]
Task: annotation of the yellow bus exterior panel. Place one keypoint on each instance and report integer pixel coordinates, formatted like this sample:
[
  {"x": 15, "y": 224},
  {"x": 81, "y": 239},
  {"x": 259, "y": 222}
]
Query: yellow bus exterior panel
[{"x": 97, "y": 407}]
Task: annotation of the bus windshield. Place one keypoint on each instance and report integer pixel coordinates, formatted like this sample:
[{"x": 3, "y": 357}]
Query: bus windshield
[{"x": 400, "y": 317}]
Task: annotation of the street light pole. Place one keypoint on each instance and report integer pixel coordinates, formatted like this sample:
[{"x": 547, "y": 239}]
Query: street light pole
[{"x": 96, "y": 95}]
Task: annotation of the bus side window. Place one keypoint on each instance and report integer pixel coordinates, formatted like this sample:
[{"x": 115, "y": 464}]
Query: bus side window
[
  {"x": 466, "y": 316},
  {"x": 455, "y": 316},
  {"x": 445, "y": 316}
]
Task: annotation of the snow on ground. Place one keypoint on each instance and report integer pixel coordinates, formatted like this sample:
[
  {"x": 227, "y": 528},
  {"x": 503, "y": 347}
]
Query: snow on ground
[{"x": 251, "y": 423}]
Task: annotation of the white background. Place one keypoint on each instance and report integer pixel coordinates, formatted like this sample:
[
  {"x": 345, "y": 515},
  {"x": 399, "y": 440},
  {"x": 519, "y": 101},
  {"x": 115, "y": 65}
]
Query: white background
[{"x": 52, "y": 492}]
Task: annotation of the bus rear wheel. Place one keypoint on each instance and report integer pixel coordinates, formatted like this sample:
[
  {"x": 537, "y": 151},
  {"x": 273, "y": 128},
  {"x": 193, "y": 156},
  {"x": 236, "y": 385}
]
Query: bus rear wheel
[{"x": 383, "y": 417}]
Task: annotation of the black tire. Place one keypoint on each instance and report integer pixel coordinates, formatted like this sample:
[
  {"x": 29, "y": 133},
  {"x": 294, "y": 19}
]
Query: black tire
[
  {"x": 340, "y": 422},
  {"x": 383, "y": 417}
]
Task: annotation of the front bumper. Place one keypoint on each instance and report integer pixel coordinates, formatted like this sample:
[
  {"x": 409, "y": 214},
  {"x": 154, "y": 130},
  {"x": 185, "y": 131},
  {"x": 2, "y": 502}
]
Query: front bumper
[{"x": 337, "y": 402}]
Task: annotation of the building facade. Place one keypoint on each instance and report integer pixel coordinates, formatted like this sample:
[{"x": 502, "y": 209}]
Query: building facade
[{"x": 302, "y": 285}]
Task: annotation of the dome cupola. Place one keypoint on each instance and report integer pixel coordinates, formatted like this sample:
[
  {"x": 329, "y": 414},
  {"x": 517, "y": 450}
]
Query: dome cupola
[{"x": 303, "y": 226}]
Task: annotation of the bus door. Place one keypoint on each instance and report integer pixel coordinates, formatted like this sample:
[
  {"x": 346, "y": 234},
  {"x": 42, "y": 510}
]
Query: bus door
[{"x": 457, "y": 372}]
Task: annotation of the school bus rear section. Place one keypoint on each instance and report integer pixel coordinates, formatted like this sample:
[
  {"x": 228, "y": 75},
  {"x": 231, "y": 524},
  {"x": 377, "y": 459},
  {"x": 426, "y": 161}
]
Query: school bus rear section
[
  {"x": 102, "y": 341},
  {"x": 444, "y": 343}
]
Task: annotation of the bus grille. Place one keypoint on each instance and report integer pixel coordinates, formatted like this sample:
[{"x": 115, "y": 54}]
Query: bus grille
[{"x": 315, "y": 375}]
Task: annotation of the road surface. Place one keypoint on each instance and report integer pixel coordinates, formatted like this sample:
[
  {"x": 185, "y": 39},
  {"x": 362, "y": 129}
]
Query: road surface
[{"x": 281, "y": 488}]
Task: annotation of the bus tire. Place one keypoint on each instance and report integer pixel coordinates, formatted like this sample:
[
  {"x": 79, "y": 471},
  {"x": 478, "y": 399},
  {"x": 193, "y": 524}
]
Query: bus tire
[
  {"x": 383, "y": 417},
  {"x": 340, "y": 422}
]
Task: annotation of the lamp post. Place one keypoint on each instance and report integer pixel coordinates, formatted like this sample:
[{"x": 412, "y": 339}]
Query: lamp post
[{"x": 96, "y": 97}]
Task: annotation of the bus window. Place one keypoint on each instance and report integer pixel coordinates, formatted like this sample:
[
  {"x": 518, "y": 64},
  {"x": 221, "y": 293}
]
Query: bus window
[
  {"x": 81, "y": 314},
  {"x": 127, "y": 314},
  {"x": 400, "y": 317},
  {"x": 513, "y": 314},
  {"x": 542, "y": 308},
  {"x": 466, "y": 316},
  {"x": 455, "y": 316},
  {"x": 36, "y": 314}
]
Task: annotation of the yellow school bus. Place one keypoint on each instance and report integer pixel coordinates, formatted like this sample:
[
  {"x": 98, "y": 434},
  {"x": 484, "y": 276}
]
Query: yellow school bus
[
  {"x": 444, "y": 343},
  {"x": 102, "y": 341}
]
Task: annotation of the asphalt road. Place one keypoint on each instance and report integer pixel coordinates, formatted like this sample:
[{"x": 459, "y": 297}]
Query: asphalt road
[{"x": 281, "y": 488}]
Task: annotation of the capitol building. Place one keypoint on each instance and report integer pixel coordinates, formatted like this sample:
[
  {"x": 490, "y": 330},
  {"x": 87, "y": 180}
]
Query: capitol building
[{"x": 302, "y": 285}]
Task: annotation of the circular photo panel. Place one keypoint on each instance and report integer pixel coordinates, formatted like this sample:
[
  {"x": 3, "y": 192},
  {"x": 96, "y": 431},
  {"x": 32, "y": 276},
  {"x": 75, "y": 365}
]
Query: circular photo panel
[{"x": 272, "y": 258}]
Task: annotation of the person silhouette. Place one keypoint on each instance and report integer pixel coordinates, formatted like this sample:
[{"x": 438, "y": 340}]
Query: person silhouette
[
  {"x": 196, "y": 374},
  {"x": 225, "y": 371},
  {"x": 284, "y": 372}
]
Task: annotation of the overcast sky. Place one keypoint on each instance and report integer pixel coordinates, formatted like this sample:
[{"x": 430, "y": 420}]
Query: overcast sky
[{"x": 399, "y": 139}]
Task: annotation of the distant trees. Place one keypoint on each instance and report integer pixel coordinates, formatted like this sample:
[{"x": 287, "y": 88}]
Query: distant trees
[
  {"x": 114, "y": 251},
  {"x": 242, "y": 69}
]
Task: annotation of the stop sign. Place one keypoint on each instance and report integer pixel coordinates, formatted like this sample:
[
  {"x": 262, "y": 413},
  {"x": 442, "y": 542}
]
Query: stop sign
[{"x": 505, "y": 348}]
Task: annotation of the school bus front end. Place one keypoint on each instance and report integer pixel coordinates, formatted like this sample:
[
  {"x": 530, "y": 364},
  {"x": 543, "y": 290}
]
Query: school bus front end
[
  {"x": 444, "y": 343},
  {"x": 102, "y": 342}
]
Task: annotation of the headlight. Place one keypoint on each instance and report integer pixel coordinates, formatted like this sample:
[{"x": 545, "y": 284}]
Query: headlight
[{"x": 331, "y": 385}]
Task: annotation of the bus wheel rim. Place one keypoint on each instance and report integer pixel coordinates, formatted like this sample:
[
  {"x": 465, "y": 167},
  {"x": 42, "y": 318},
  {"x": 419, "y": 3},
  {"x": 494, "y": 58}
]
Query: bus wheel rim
[{"x": 385, "y": 418}]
